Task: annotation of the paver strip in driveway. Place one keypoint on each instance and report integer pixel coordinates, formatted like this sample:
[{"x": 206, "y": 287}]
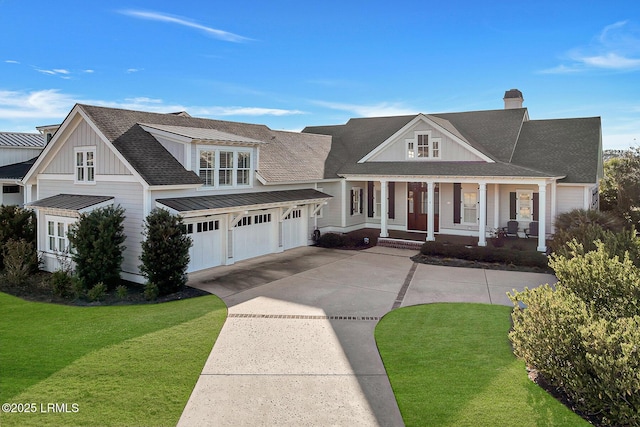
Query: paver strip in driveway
[{"x": 298, "y": 346}]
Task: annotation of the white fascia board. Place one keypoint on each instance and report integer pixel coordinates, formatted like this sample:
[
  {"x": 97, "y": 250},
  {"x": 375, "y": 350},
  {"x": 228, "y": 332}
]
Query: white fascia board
[
  {"x": 167, "y": 135},
  {"x": 423, "y": 118},
  {"x": 52, "y": 146},
  {"x": 452, "y": 178}
]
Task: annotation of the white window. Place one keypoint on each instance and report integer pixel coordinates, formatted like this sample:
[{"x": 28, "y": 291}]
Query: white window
[
  {"x": 423, "y": 146},
  {"x": 85, "y": 164},
  {"x": 57, "y": 229},
  {"x": 225, "y": 168},
  {"x": 524, "y": 208},
  {"x": 207, "y": 167},
  {"x": 469, "y": 207}
]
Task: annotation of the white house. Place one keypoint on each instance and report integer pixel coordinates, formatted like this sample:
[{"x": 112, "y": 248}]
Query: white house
[
  {"x": 17, "y": 153},
  {"x": 245, "y": 190}
]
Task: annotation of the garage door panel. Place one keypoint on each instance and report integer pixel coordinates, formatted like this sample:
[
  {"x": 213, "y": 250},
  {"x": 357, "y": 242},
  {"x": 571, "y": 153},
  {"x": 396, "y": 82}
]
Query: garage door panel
[
  {"x": 206, "y": 250},
  {"x": 294, "y": 229},
  {"x": 255, "y": 235}
]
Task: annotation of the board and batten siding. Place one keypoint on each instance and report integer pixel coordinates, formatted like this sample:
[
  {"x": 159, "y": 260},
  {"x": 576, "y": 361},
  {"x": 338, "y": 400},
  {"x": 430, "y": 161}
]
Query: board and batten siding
[
  {"x": 107, "y": 163},
  {"x": 570, "y": 197},
  {"x": 450, "y": 150},
  {"x": 11, "y": 155},
  {"x": 128, "y": 195}
]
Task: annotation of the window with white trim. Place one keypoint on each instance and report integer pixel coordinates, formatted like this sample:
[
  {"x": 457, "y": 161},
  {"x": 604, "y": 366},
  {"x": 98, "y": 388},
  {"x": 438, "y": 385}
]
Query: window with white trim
[
  {"x": 85, "y": 158},
  {"x": 225, "y": 167},
  {"x": 470, "y": 207},
  {"x": 57, "y": 229},
  {"x": 423, "y": 146}
]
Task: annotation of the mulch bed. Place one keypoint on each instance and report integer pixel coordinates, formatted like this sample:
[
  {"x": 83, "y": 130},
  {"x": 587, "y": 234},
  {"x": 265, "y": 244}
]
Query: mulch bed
[
  {"x": 455, "y": 262},
  {"x": 38, "y": 289}
]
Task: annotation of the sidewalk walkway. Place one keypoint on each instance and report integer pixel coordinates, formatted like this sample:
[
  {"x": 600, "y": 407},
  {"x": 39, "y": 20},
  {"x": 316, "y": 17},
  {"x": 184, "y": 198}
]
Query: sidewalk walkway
[{"x": 298, "y": 348}]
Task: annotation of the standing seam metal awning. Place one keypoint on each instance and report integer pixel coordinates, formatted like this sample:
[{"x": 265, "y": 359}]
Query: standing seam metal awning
[
  {"x": 72, "y": 202},
  {"x": 243, "y": 201}
]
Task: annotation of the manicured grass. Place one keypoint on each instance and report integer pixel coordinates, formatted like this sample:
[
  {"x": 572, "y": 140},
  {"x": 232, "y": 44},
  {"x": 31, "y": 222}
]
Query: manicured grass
[
  {"x": 121, "y": 365},
  {"x": 452, "y": 365}
]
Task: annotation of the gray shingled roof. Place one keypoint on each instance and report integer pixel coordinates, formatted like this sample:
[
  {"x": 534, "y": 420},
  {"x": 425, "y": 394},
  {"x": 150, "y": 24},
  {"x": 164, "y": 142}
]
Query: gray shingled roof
[
  {"x": 242, "y": 200},
  {"x": 22, "y": 140},
  {"x": 285, "y": 156},
  {"x": 72, "y": 202},
  {"x": 16, "y": 170},
  {"x": 519, "y": 147}
]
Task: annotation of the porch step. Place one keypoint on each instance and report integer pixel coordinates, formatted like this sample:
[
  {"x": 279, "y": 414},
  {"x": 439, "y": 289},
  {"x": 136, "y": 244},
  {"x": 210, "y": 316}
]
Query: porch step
[{"x": 399, "y": 243}]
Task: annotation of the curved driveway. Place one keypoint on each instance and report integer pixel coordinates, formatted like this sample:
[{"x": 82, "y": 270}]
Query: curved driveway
[{"x": 297, "y": 347}]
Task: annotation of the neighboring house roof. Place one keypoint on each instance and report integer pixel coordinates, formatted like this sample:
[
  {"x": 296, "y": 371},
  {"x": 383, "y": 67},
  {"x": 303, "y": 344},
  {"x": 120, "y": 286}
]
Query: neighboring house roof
[
  {"x": 21, "y": 140},
  {"x": 16, "y": 170},
  {"x": 242, "y": 200},
  {"x": 520, "y": 147},
  {"x": 285, "y": 156},
  {"x": 71, "y": 202}
]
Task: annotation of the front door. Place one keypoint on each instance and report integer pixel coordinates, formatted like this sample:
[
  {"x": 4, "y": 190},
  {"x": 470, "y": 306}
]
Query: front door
[{"x": 417, "y": 208}]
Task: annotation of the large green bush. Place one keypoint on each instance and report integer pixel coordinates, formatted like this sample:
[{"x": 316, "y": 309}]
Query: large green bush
[
  {"x": 97, "y": 246},
  {"x": 165, "y": 252},
  {"x": 584, "y": 335},
  {"x": 16, "y": 224}
]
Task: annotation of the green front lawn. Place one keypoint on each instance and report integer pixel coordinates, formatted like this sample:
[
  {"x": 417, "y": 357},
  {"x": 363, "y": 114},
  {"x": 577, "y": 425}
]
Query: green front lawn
[
  {"x": 452, "y": 365},
  {"x": 121, "y": 365}
]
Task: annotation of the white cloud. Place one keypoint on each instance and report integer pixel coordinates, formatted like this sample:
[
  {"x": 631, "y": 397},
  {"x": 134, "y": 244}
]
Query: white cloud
[
  {"x": 89, "y": 71},
  {"x": 11, "y": 61},
  {"x": 162, "y": 17},
  {"x": 375, "y": 110},
  {"x": 60, "y": 72},
  {"x": 616, "y": 47},
  {"x": 42, "y": 104},
  {"x": 133, "y": 70}
]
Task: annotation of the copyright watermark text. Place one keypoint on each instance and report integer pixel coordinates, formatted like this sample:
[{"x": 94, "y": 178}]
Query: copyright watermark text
[{"x": 41, "y": 408}]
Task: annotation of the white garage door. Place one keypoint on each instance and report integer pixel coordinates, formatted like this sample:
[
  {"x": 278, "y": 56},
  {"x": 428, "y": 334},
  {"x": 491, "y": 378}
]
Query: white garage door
[
  {"x": 255, "y": 235},
  {"x": 294, "y": 229},
  {"x": 206, "y": 250}
]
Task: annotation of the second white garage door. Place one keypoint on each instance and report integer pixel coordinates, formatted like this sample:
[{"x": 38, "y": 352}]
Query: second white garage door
[
  {"x": 255, "y": 235},
  {"x": 207, "y": 249}
]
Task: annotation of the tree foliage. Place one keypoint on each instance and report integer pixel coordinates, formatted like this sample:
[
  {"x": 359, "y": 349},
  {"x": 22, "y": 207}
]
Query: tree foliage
[
  {"x": 16, "y": 224},
  {"x": 165, "y": 251},
  {"x": 620, "y": 187},
  {"x": 97, "y": 246}
]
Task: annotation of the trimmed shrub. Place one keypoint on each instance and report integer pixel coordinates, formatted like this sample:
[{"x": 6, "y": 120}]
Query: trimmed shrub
[
  {"x": 16, "y": 224},
  {"x": 151, "y": 291},
  {"x": 331, "y": 240},
  {"x": 61, "y": 284},
  {"x": 97, "y": 239},
  {"x": 97, "y": 292},
  {"x": 122, "y": 291},
  {"x": 165, "y": 252},
  {"x": 20, "y": 260},
  {"x": 583, "y": 336}
]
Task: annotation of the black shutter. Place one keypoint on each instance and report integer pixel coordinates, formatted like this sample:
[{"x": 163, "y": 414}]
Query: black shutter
[
  {"x": 457, "y": 201},
  {"x": 360, "y": 208},
  {"x": 392, "y": 200},
  {"x": 512, "y": 205},
  {"x": 351, "y": 201},
  {"x": 370, "y": 205},
  {"x": 535, "y": 206}
]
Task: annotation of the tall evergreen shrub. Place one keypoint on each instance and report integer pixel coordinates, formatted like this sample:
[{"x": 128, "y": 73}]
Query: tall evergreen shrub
[
  {"x": 16, "y": 223},
  {"x": 97, "y": 246},
  {"x": 165, "y": 251}
]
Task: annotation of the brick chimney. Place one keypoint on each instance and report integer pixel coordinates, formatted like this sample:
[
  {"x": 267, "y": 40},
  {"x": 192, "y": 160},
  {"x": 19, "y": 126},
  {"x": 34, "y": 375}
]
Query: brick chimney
[{"x": 513, "y": 99}]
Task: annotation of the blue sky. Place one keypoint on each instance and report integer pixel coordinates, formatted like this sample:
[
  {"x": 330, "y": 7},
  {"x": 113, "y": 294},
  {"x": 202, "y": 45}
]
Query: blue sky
[{"x": 290, "y": 64}]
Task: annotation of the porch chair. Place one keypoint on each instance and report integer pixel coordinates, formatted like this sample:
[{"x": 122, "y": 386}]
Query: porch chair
[
  {"x": 532, "y": 231},
  {"x": 511, "y": 230}
]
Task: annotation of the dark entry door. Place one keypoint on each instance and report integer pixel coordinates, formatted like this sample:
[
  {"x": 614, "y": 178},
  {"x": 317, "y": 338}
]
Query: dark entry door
[{"x": 417, "y": 206}]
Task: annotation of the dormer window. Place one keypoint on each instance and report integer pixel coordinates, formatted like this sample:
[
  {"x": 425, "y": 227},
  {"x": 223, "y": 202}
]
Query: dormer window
[
  {"x": 228, "y": 167},
  {"x": 423, "y": 147}
]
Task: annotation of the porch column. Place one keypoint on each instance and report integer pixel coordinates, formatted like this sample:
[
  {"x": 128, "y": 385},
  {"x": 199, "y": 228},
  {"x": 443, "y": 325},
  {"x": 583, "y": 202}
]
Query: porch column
[
  {"x": 383, "y": 209},
  {"x": 554, "y": 209},
  {"x": 496, "y": 206},
  {"x": 482, "y": 231},
  {"x": 542, "y": 217},
  {"x": 430, "y": 212}
]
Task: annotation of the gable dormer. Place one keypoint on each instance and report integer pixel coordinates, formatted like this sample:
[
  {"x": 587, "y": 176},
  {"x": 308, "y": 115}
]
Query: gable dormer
[
  {"x": 221, "y": 159},
  {"x": 426, "y": 138}
]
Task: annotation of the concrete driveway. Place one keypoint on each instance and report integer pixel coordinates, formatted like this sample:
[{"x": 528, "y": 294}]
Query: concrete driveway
[{"x": 297, "y": 347}]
